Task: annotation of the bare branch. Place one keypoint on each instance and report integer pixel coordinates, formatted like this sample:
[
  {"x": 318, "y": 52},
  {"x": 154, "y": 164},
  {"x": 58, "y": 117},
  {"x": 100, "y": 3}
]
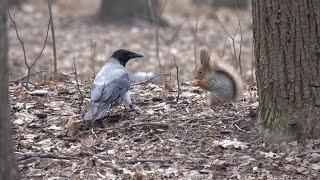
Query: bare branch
[
  {"x": 195, "y": 43},
  {"x": 32, "y": 74},
  {"x": 252, "y": 61},
  {"x": 55, "y": 68},
  {"x": 19, "y": 38},
  {"x": 29, "y": 67},
  {"x": 93, "y": 47},
  {"x": 44, "y": 45},
  {"x": 177, "y": 71},
  {"x": 237, "y": 58},
  {"x": 156, "y": 21},
  {"x": 223, "y": 27},
  {"x": 240, "y": 29},
  {"x": 77, "y": 81},
  {"x": 224, "y": 47},
  {"x": 175, "y": 36},
  {"x": 24, "y": 77},
  {"x": 149, "y": 160}
]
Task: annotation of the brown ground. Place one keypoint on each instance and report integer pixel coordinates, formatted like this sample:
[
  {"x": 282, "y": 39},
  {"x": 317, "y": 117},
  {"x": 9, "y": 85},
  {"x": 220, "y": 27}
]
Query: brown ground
[{"x": 161, "y": 139}]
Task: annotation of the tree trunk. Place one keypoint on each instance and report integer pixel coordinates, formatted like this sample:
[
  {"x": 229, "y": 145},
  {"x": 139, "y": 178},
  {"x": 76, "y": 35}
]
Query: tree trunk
[
  {"x": 122, "y": 10},
  {"x": 14, "y": 3},
  {"x": 287, "y": 52},
  {"x": 7, "y": 163}
]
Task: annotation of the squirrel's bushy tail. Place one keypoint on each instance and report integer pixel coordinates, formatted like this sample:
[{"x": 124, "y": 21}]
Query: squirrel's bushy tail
[{"x": 216, "y": 64}]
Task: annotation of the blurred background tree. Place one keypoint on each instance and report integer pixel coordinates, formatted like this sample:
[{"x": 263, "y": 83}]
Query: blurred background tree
[
  {"x": 7, "y": 162},
  {"x": 124, "y": 10},
  {"x": 14, "y": 2},
  {"x": 216, "y": 4}
]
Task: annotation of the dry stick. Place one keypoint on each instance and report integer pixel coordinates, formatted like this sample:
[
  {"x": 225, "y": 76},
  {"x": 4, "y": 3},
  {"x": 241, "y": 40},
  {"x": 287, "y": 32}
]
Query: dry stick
[
  {"x": 29, "y": 67},
  {"x": 234, "y": 45},
  {"x": 136, "y": 125},
  {"x": 224, "y": 47},
  {"x": 29, "y": 158},
  {"x": 93, "y": 46},
  {"x": 155, "y": 21},
  {"x": 22, "y": 45},
  {"x": 175, "y": 36},
  {"x": 27, "y": 76},
  {"x": 55, "y": 68},
  {"x": 31, "y": 74},
  {"x": 252, "y": 60},
  {"x": 232, "y": 38},
  {"x": 177, "y": 71},
  {"x": 195, "y": 43},
  {"x": 44, "y": 45},
  {"x": 239, "y": 128},
  {"x": 148, "y": 160},
  {"x": 240, "y": 30},
  {"x": 77, "y": 81}
]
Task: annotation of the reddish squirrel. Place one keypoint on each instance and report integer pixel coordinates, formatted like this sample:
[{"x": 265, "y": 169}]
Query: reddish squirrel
[{"x": 221, "y": 79}]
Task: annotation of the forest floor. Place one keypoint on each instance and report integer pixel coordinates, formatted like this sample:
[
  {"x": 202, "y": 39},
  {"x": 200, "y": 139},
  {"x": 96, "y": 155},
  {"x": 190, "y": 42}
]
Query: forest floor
[{"x": 164, "y": 137}]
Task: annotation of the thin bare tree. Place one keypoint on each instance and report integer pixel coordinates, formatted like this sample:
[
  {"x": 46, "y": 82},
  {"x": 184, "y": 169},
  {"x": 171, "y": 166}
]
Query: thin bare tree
[
  {"x": 29, "y": 66},
  {"x": 7, "y": 162},
  {"x": 55, "y": 64}
]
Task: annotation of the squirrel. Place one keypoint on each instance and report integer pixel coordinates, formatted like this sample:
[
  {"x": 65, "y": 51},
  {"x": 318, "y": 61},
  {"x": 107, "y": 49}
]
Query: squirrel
[{"x": 221, "y": 79}]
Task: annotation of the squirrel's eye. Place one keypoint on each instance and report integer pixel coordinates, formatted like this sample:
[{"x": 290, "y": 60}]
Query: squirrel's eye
[{"x": 200, "y": 72}]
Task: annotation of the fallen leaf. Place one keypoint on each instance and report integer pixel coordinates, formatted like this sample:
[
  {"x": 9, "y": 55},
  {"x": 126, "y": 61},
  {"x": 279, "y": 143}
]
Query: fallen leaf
[{"x": 39, "y": 92}]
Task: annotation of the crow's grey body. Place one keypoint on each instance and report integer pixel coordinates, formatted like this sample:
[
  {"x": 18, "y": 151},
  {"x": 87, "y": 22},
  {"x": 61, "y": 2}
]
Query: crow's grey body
[{"x": 111, "y": 86}]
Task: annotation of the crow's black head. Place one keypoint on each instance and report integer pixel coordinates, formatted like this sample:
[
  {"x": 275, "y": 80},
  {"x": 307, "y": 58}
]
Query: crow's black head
[{"x": 124, "y": 56}]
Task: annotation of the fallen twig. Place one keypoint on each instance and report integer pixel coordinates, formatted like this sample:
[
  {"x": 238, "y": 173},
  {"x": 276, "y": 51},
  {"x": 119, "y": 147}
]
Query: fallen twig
[
  {"x": 239, "y": 128},
  {"x": 32, "y": 74},
  {"x": 29, "y": 158},
  {"x": 136, "y": 125},
  {"x": 103, "y": 160},
  {"x": 148, "y": 161},
  {"x": 77, "y": 83},
  {"x": 27, "y": 76}
]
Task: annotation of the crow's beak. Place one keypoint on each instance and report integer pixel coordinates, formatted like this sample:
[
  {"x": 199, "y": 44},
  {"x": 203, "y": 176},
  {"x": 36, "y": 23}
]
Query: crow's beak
[{"x": 135, "y": 55}]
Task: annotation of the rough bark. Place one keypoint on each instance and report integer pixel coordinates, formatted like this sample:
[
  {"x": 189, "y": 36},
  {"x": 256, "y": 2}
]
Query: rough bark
[
  {"x": 287, "y": 52},
  {"x": 7, "y": 163}
]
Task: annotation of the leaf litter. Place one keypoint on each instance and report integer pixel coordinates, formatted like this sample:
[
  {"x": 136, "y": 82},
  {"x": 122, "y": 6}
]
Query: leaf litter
[{"x": 166, "y": 139}]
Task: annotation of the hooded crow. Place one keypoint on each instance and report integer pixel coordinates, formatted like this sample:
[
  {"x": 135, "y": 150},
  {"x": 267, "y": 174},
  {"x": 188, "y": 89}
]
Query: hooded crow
[{"x": 111, "y": 85}]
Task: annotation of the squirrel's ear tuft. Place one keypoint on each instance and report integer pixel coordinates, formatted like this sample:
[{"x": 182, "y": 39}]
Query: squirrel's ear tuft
[{"x": 205, "y": 57}]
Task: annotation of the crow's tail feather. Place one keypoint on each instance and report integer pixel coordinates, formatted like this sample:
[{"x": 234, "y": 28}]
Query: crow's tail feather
[{"x": 100, "y": 113}]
